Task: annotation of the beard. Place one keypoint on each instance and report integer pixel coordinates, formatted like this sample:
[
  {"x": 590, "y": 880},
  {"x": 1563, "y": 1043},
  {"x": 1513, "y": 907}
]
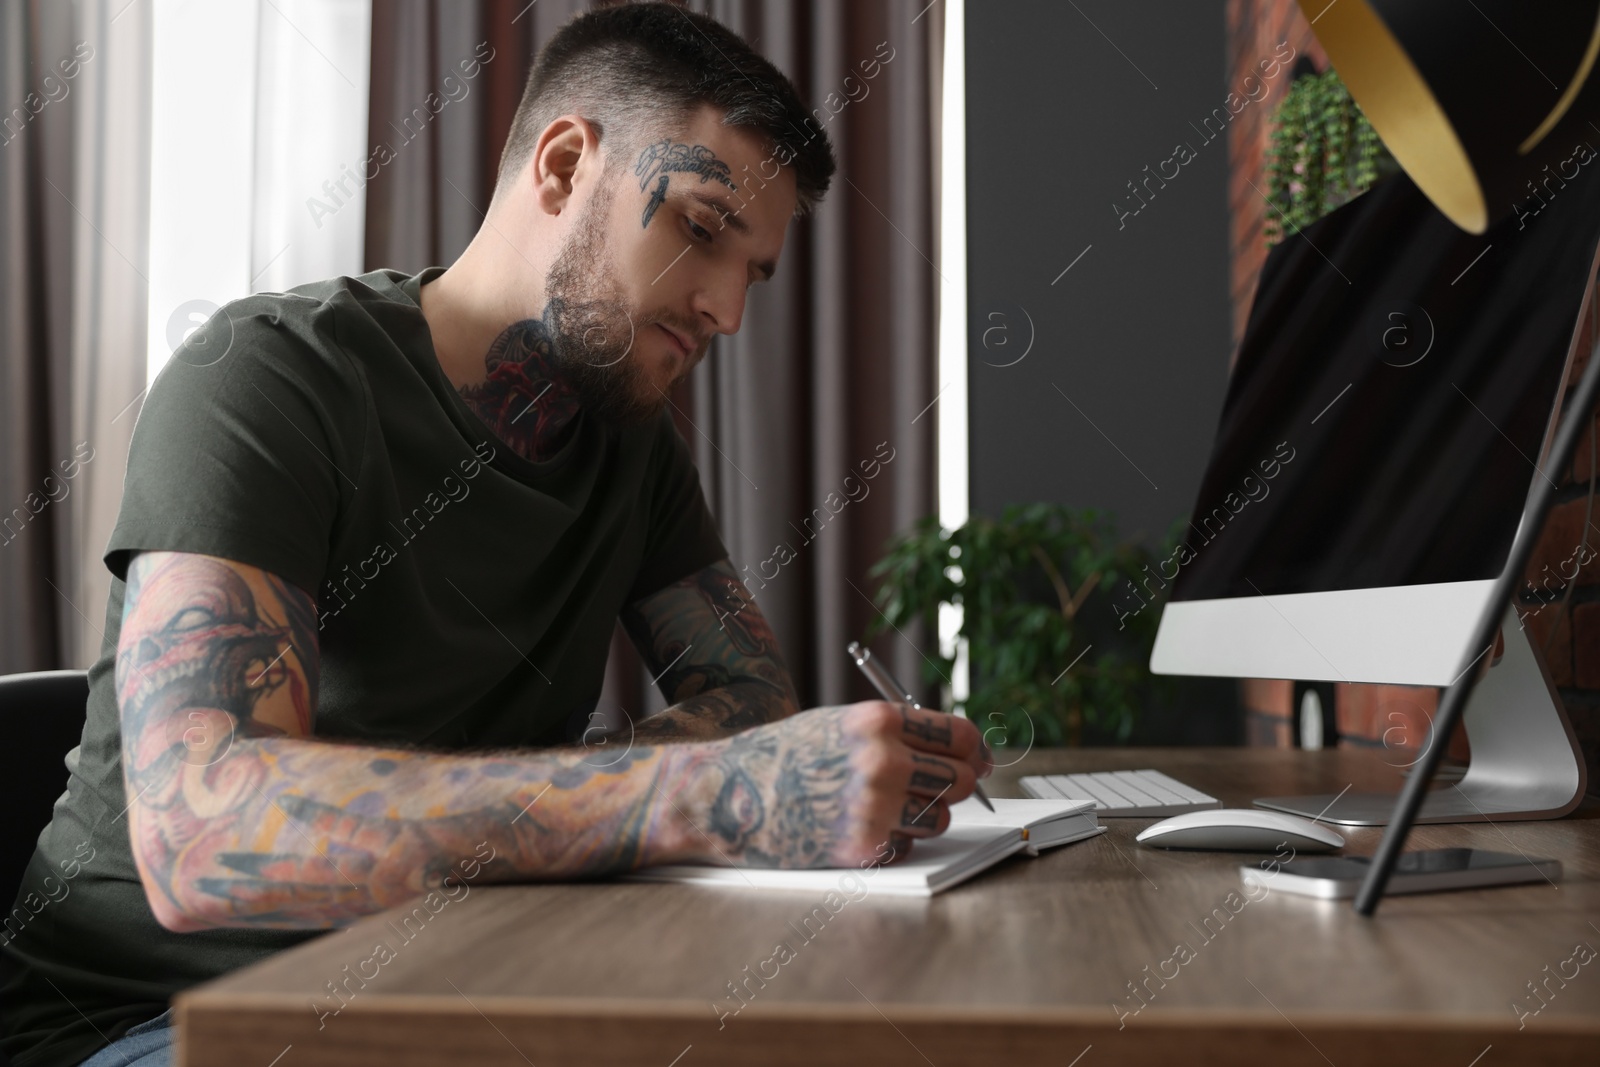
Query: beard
[{"x": 592, "y": 331}]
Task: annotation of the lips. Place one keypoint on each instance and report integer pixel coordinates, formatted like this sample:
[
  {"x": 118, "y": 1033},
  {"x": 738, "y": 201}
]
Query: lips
[{"x": 684, "y": 349}]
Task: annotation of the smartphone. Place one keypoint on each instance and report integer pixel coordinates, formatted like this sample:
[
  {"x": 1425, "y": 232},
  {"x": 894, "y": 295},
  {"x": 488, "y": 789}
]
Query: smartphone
[{"x": 1425, "y": 871}]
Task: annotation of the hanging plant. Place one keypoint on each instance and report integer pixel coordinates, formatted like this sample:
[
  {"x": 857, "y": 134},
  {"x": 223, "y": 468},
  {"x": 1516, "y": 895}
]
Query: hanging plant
[{"x": 1322, "y": 153}]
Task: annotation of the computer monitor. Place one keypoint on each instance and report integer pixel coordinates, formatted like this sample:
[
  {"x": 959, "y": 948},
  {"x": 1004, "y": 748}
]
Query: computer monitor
[{"x": 1394, "y": 391}]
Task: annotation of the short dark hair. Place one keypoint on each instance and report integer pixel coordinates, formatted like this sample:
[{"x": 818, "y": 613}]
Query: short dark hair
[{"x": 633, "y": 68}]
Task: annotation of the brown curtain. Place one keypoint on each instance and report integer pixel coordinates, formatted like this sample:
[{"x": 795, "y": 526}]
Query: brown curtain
[
  {"x": 74, "y": 195},
  {"x": 834, "y": 364}
]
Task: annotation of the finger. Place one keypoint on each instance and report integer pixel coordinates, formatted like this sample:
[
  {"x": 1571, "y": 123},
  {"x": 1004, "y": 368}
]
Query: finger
[
  {"x": 899, "y": 847},
  {"x": 921, "y": 817},
  {"x": 941, "y": 776},
  {"x": 981, "y": 760},
  {"x": 938, "y": 732}
]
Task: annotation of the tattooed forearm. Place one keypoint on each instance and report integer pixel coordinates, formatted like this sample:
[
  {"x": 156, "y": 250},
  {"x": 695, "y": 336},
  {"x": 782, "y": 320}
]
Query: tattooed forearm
[
  {"x": 239, "y": 817},
  {"x": 735, "y": 707},
  {"x": 298, "y": 833},
  {"x": 714, "y": 657}
]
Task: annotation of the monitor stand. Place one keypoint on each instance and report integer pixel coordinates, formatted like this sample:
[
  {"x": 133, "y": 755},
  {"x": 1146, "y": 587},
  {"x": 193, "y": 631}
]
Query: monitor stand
[{"x": 1526, "y": 763}]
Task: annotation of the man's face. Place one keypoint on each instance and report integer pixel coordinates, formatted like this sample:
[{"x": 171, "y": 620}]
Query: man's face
[{"x": 660, "y": 260}]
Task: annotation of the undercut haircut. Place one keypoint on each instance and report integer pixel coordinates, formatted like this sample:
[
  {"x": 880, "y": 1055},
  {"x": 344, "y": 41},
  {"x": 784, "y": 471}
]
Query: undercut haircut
[{"x": 639, "y": 72}]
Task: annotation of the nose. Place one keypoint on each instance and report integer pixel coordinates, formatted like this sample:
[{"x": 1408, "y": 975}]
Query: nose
[{"x": 720, "y": 305}]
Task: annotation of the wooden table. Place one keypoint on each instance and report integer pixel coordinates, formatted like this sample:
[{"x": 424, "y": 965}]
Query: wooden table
[{"x": 1032, "y": 962}]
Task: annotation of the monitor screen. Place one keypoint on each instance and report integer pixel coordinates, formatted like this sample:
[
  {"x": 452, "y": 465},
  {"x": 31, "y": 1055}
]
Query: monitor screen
[{"x": 1391, "y": 396}]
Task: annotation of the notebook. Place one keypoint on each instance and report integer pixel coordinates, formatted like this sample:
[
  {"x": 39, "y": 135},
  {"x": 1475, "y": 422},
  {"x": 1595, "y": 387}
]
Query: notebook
[
  {"x": 1044, "y": 823},
  {"x": 975, "y": 841}
]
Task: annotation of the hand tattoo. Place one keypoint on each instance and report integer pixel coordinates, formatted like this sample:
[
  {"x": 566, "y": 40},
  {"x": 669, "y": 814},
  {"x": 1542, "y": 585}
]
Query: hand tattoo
[
  {"x": 929, "y": 773},
  {"x": 937, "y": 731}
]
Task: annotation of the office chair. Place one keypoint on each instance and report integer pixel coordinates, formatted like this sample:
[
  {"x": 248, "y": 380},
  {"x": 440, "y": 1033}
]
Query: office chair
[{"x": 41, "y": 718}]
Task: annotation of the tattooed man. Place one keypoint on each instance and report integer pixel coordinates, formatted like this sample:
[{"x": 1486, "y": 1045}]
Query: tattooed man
[{"x": 375, "y": 537}]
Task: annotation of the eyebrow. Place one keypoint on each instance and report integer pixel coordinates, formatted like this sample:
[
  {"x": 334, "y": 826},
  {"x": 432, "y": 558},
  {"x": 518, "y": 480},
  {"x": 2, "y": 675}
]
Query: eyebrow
[{"x": 729, "y": 216}]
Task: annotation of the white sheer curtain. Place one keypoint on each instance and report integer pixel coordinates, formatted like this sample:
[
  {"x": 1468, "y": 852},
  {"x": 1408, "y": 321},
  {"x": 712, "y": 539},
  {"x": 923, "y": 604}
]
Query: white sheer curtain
[
  {"x": 157, "y": 159},
  {"x": 110, "y": 248},
  {"x": 73, "y": 285},
  {"x": 257, "y": 153}
]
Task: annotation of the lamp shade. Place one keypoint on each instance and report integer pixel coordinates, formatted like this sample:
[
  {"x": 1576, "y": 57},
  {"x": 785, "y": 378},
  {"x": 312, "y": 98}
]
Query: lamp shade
[{"x": 1490, "y": 106}]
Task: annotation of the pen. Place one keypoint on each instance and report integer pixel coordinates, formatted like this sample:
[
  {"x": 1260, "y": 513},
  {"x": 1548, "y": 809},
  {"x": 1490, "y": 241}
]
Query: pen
[{"x": 890, "y": 689}]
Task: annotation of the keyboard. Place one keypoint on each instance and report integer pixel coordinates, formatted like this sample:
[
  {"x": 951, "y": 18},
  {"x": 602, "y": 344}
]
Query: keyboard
[{"x": 1122, "y": 794}]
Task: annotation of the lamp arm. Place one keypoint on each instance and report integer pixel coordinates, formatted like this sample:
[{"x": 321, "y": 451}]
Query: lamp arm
[{"x": 1454, "y": 700}]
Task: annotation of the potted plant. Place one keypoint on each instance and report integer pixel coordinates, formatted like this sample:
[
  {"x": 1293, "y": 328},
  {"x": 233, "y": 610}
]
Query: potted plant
[{"x": 1048, "y": 658}]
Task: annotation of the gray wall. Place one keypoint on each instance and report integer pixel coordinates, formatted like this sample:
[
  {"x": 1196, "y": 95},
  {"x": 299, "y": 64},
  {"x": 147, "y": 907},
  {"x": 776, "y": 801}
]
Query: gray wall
[
  {"x": 1115, "y": 404},
  {"x": 1135, "y": 334}
]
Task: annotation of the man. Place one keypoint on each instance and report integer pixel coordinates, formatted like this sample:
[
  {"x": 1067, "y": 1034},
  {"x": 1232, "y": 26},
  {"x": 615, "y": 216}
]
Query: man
[{"x": 374, "y": 538}]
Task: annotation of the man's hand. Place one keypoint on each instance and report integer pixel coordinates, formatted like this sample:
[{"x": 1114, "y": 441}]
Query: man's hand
[{"x": 829, "y": 787}]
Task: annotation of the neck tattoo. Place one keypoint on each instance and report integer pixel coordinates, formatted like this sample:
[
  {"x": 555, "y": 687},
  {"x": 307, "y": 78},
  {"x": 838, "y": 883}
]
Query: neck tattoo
[{"x": 524, "y": 399}]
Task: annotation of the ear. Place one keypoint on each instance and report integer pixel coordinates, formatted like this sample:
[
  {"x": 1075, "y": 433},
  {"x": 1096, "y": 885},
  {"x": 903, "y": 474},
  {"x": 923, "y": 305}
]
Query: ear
[{"x": 567, "y": 155}]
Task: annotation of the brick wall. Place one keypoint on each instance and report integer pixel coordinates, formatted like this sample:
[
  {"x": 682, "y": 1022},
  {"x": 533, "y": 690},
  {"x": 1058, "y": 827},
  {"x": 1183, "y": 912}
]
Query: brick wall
[
  {"x": 1256, "y": 28},
  {"x": 1561, "y": 597},
  {"x": 1396, "y": 717},
  {"x": 1266, "y": 703}
]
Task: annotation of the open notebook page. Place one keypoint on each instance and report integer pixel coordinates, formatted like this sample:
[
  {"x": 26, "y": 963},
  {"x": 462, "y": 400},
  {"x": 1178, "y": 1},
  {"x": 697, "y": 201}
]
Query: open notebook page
[
  {"x": 935, "y": 863},
  {"x": 1046, "y": 822}
]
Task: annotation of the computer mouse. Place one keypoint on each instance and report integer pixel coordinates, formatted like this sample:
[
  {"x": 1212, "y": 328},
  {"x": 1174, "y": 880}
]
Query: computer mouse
[{"x": 1240, "y": 830}]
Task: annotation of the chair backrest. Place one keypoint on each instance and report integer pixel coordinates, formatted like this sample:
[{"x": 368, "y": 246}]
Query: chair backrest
[{"x": 41, "y": 719}]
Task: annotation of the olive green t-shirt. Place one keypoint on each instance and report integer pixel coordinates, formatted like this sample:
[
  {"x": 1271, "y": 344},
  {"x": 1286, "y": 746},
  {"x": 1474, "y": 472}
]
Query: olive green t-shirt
[{"x": 466, "y": 598}]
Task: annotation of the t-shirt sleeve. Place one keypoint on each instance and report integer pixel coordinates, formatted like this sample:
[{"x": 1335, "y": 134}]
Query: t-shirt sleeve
[
  {"x": 682, "y": 537},
  {"x": 249, "y": 455}
]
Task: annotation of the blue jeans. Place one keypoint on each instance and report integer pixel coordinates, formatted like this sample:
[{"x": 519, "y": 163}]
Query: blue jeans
[{"x": 147, "y": 1045}]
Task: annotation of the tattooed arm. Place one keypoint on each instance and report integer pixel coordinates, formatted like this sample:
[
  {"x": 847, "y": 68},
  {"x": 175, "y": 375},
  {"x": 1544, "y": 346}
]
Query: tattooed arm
[
  {"x": 239, "y": 817},
  {"x": 714, "y": 656}
]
